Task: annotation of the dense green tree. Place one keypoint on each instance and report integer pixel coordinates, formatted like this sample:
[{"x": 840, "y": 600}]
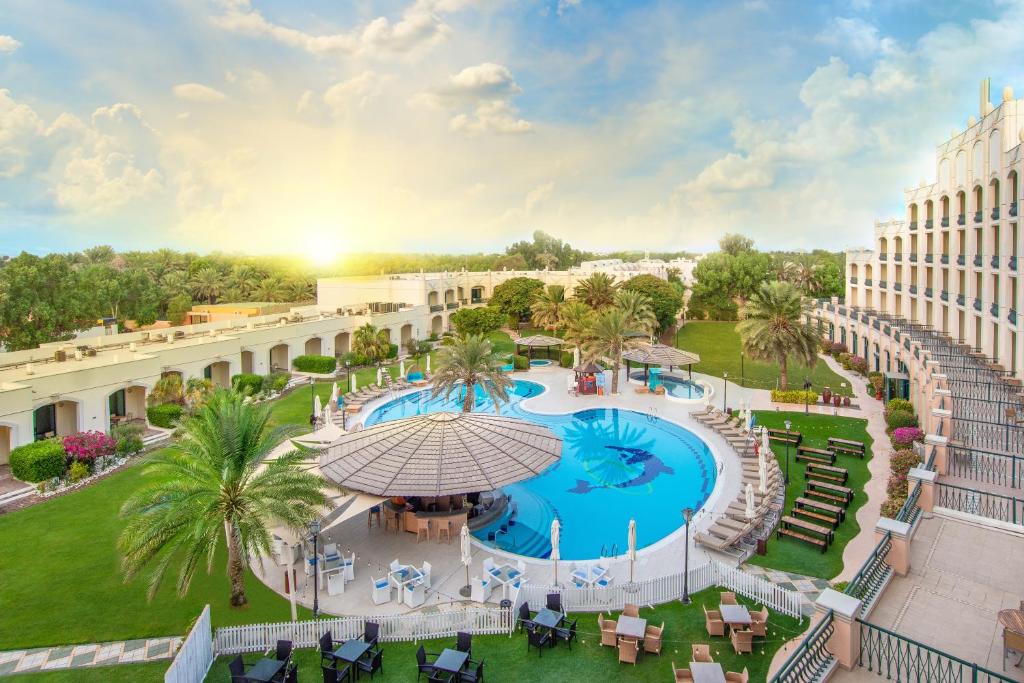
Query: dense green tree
[
  {"x": 663, "y": 299},
  {"x": 477, "y": 321},
  {"x": 513, "y": 297},
  {"x": 41, "y": 300},
  {"x": 468, "y": 362},
  {"x": 177, "y": 307},
  {"x": 511, "y": 262},
  {"x": 546, "y": 251},
  {"x": 773, "y": 329},
  {"x": 546, "y": 306},
  {"x": 613, "y": 332},
  {"x": 597, "y": 291},
  {"x": 371, "y": 343},
  {"x": 734, "y": 244},
  {"x": 576, "y": 320},
  {"x": 207, "y": 283},
  {"x": 638, "y": 308}
]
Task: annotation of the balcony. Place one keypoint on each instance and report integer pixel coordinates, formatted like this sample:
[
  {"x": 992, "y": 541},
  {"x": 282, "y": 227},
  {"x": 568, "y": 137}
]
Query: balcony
[
  {"x": 882, "y": 256},
  {"x": 945, "y": 221},
  {"x": 1013, "y": 208},
  {"x": 977, "y": 304},
  {"x": 913, "y": 257},
  {"x": 944, "y": 259},
  {"x": 928, "y": 258},
  {"x": 451, "y": 305},
  {"x": 913, "y": 289},
  {"x": 897, "y": 286},
  {"x": 960, "y": 261},
  {"x": 960, "y": 300},
  {"x": 853, "y": 280},
  {"x": 913, "y": 225},
  {"x": 995, "y": 261},
  {"x": 977, "y": 216},
  {"x": 478, "y": 300},
  {"x": 929, "y": 224},
  {"x": 994, "y": 309},
  {"x": 1011, "y": 315},
  {"x": 944, "y": 295},
  {"x": 434, "y": 308},
  {"x": 961, "y": 219},
  {"x": 977, "y": 260},
  {"x": 1013, "y": 263},
  {"x": 929, "y": 292},
  {"x": 995, "y": 213},
  {"x": 897, "y": 257},
  {"x": 882, "y": 284},
  {"x": 867, "y": 282}
]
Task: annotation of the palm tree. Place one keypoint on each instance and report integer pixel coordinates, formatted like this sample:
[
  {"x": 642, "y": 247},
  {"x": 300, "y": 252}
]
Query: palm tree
[
  {"x": 217, "y": 483},
  {"x": 245, "y": 279},
  {"x": 370, "y": 342},
  {"x": 546, "y": 306},
  {"x": 467, "y": 362},
  {"x": 207, "y": 284},
  {"x": 612, "y": 333},
  {"x": 597, "y": 291},
  {"x": 772, "y": 329},
  {"x": 270, "y": 289},
  {"x": 637, "y": 308},
  {"x": 298, "y": 290}
]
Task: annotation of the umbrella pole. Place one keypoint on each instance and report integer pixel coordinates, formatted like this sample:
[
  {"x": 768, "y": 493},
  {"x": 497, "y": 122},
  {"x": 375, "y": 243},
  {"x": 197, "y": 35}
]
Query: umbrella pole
[{"x": 466, "y": 590}]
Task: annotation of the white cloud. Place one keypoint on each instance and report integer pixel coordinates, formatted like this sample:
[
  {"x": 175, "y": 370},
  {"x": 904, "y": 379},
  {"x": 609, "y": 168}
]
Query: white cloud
[
  {"x": 496, "y": 116},
  {"x": 19, "y": 126},
  {"x": 9, "y": 45},
  {"x": 198, "y": 93},
  {"x": 857, "y": 35},
  {"x": 305, "y": 103},
  {"x": 487, "y": 89},
  {"x": 356, "y": 91},
  {"x": 539, "y": 195},
  {"x": 252, "y": 80}
]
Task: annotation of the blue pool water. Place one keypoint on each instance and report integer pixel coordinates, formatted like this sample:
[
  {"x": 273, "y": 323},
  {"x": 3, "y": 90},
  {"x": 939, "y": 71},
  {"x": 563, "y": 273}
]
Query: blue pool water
[
  {"x": 680, "y": 388},
  {"x": 540, "y": 362},
  {"x": 616, "y": 465}
]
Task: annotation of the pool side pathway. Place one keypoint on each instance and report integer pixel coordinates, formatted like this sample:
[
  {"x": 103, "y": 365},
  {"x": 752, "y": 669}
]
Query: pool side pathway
[{"x": 89, "y": 655}]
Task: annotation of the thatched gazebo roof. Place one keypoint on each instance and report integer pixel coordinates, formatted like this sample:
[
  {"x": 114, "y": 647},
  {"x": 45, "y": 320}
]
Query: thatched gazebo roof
[
  {"x": 589, "y": 368},
  {"x": 539, "y": 340},
  {"x": 660, "y": 354},
  {"x": 440, "y": 454}
]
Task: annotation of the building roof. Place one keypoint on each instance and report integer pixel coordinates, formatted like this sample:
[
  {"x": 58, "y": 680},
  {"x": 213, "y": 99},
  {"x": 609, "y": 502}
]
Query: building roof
[
  {"x": 660, "y": 354},
  {"x": 539, "y": 340},
  {"x": 589, "y": 367},
  {"x": 440, "y": 454}
]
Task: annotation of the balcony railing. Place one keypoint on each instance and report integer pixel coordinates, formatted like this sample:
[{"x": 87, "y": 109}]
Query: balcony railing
[
  {"x": 897, "y": 286},
  {"x": 977, "y": 304},
  {"x": 811, "y": 659},
  {"x": 928, "y": 258},
  {"x": 1011, "y": 315},
  {"x": 913, "y": 289},
  {"x": 434, "y": 308},
  {"x": 994, "y": 309},
  {"x": 961, "y": 300},
  {"x": 897, "y": 257},
  {"x": 960, "y": 260},
  {"x": 928, "y": 224},
  {"x": 944, "y": 295},
  {"x": 995, "y": 261},
  {"x": 452, "y": 305},
  {"x": 882, "y": 284},
  {"x": 872, "y": 576},
  {"x": 928, "y": 292},
  {"x": 1013, "y": 263},
  {"x": 995, "y": 213},
  {"x": 977, "y": 260},
  {"x": 913, "y": 257},
  {"x": 882, "y": 256},
  {"x": 478, "y": 300},
  {"x": 978, "y": 216},
  {"x": 991, "y": 505},
  {"x": 944, "y": 259},
  {"x": 961, "y": 219},
  {"x": 913, "y": 225},
  {"x": 945, "y": 221},
  {"x": 1013, "y": 208},
  {"x": 867, "y": 282},
  {"x": 853, "y": 280}
]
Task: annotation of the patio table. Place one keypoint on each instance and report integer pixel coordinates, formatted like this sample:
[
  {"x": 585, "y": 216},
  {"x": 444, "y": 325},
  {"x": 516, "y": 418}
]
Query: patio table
[
  {"x": 589, "y": 575},
  {"x": 735, "y": 615},
  {"x": 451, "y": 661},
  {"x": 505, "y": 574},
  {"x": 548, "y": 618},
  {"x": 350, "y": 651},
  {"x": 1012, "y": 619},
  {"x": 264, "y": 670},
  {"x": 631, "y": 627},
  {"x": 707, "y": 672},
  {"x": 402, "y": 576}
]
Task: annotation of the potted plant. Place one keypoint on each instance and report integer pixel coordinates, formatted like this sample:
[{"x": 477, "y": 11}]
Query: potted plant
[
  {"x": 846, "y": 401},
  {"x": 836, "y": 400},
  {"x": 826, "y": 395}
]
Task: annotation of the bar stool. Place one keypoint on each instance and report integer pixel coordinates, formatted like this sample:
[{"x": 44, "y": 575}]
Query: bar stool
[
  {"x": 391, "y": 520},
  {"x": 444, "y": 529},
  {"x": 422, "y": 528},
  {"x": 370, "y": 514}
]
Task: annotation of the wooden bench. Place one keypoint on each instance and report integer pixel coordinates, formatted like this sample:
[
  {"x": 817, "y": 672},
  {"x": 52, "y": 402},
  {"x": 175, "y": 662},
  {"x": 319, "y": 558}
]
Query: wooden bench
[
  {"x": 846, "y": 446},
  {"x": 818, "y": 455},
  {"x": 827, "y": 472},
  {"x": 780, "y": 532},
  {"x": 834, "y": 489},
  {"x": 820, "y": 507},
  {"x": 783, "y": 436},
  {"x": 790, "y": 522},
  {"x": 826, "y": 496},
  {"x": 819, "y": 516}
]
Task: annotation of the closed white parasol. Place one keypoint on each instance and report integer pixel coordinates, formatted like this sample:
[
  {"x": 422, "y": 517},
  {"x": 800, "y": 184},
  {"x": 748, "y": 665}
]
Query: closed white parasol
[
  {"x": 467, "y": 556},
  {"x": 353, "y": 382},
  {"x": 762, "y": 472},
  {"x": 317, "y": 406},
  {"x": 631, "y": 545},
  {"x": 401, "y": 369},
  {"x": 380, "y": 376},
  {"x": 750, "y": 501},
  {"x": 555, "y": 533},
  {"x": 428, "y": 365}
]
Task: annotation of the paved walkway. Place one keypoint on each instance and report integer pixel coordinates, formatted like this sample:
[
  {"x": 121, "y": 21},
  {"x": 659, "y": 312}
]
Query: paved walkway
[
  {"x": 809, "y": 587},
  {"x": 94, "y": 654}
]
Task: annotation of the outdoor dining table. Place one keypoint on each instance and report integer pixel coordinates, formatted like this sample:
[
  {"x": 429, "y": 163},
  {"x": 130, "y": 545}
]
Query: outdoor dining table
[
  {"x": 402, "y": 576},
  {"x": 351, "y": 650},
  {"x": 707, "y": 672},
  {"x": 264, "y": 670},
  {"x": 548, "y": 618},
  {"x": 451, "y": 661},
  {"x": 1012, "y": 619},
  {"x": 589, "y": 575},
  {"x": 631, "y": 627},
  {"x": 505, "y": 574},
  {"x": 735, "y": 615}
]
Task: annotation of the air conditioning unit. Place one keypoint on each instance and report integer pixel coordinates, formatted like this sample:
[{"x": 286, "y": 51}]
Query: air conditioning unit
[
  {"x": 60, "y": 355},
  {"x": 90, "y": 352}
]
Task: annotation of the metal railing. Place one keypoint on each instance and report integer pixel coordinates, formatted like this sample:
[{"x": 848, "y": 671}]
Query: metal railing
[
  {"x": 903, "y": 660},
  {"x": 870, "y": 579},
  {"x": 1001, "y": 469},
  {"x": 811, "y": 660},
  {"x": 981, "y": 503}
]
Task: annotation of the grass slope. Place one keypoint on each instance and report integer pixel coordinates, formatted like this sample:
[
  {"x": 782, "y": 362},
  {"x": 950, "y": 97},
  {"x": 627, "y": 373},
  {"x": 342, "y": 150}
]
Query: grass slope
[
  {"x": 718, "y": 345},
  {"x": 122, "y": 673},
  {"x": 794, "y": 555},
  {"x": 506, "y": 659}
]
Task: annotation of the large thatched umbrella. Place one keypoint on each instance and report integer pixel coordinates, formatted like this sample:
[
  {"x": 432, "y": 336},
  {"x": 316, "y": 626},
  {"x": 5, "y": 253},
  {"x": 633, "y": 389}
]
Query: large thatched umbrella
[
  {"x": 440, "y": 454},
  {"x": 541, "y": 341},
  {"x": 661, "y": 355}
]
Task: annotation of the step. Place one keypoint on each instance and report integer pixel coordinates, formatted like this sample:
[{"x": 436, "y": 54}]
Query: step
[{"x": 17, "y": 494}]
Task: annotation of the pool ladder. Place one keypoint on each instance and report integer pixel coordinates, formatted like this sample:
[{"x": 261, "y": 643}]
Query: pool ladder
[{"x": 606, "y": 552}]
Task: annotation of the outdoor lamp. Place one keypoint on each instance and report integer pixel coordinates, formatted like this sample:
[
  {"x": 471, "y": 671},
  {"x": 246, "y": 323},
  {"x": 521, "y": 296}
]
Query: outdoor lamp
[
  {"x": 687, "y": 516},
  {"x": 788, "y": 425},
  {"x": 314, "y": 530},
  {"x": 725, "y": 391}
]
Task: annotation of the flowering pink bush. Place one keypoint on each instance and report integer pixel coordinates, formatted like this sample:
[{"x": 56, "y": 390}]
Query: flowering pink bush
[
  {"x": 88, "y": 445},
  {"x": 903, "y": 437}
]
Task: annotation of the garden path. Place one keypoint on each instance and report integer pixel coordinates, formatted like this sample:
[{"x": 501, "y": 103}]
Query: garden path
[{"x": 92, "y": 654}]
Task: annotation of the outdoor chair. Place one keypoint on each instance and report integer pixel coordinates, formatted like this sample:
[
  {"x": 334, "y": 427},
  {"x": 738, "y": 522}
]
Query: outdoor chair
[
  {"x": 652, "y": 638},
  {"x": 424, "y": 665},
  {"x": 283, "y": 653},
  {"x": 742, "y": 641},
  {"x": 1012, "y": 642},
  {"x": 236, "y": 667},
  {"x": 682, "y": 675},
  {"x": 291, "y": 673},
  {"x": 728, "y": 598},
  {"x": 566, "y": 634},
  {"x": 371, "y": 631},
  {"x": 415, "y": 594},
  {"x": 628, "y": 650},
  {"x": 422, "y": 529},
  {"x": 525, "y": 618},
  {"x": 713, "y": 622},
  {"x": 425, "y": 571},
  {"x": 759, "y": 623},
  {"x": 480, "y": 589},
  {"x": 381, "y": 590},
  {"x": 395, "y": 565},
  {"x": 349, "y": 565},
  {"x": 701, "y": 653},
  {"x": 464, "y": 642},
  {"x": 554, "y": 602},
  {"x": 489, "y": 567},
  {"x": 373, "y": 664},
  {"x": 326, "y": 649},
  {"x": 631, "y": 611},
  {"x": 440, "y": 677},
  {"x": 473, "y": 673},
  {"x": 534, "y": 638},
  {"x": 607, "y": 627},
  {"x": 733, "y": 677},
  {"x": 332, "y": 675}
]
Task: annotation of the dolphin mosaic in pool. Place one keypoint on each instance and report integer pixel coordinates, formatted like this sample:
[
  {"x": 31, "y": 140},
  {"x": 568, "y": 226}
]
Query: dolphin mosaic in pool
[{"x": 653, "y": 466}]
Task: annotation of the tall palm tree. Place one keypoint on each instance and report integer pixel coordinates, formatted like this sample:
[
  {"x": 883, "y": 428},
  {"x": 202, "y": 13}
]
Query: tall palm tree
[
  {"x": 467, "y": 362},
  {"x": 597, "y": 291},
  {"x": 207, "y": 284},
  {"x": 217, "y": 483},
  {"x": 245, "y": 279},
  {"x": 546, "y": 306},
  {"x": 773, "y": 330},
  {"x": 637, "y": 308},
  {"x": 576, "y": 319},
  {"x": 612, "y": 333},
  {"x": 370, "y": 342},
  {"x": 298, "y": 290},
  {"x": 270, "y": 289}
]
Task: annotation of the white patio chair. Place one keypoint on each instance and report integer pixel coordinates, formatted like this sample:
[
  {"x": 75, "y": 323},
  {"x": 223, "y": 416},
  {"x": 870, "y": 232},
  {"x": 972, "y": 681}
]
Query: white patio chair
[
  {"x": 349, "y": 563},
  {"x": 604, "y": 581},
  {"x": 415, "y": 594},
  {"x": 489, "y": 568},
  {"x": 480, "y": 589},
  {"x": 514, "y": 588},
  {"x": 381, "y": 590},
  {"x": 331, "y": 550},
  {"x": 395, "y": 565},
  {"x": 425, "y": 570},
  {"x": 521, "y": 566},
  {"x": 336, "y": 583}
]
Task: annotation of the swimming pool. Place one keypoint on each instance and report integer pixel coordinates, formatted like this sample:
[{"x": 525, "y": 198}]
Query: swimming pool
[
  {"x": 616, "y": 465},
  {"x": 540, "y": 363},
  {"x": 674, "y": 386}
]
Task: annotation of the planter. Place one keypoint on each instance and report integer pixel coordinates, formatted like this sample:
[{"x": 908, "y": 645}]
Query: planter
[
  {"x": 846, "y": 401},
  {"x": 836, "y": 401},
  {"x": 826, "y": 395},
  {"x": 878, "y": 395}
]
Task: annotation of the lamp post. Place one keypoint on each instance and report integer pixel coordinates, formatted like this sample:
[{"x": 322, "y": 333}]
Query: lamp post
[
  {"x": 741, "y": 368},
  {"x": 725, "y": 391},
  {"x": 312, "y": 403},
  {"x": 348, "y": 385},
  {"x": 314, "y": 530},
  {"x": 788, "y": 424},
  {"x": 807, "y": 387},
  {"x": 687, "y": 516}
]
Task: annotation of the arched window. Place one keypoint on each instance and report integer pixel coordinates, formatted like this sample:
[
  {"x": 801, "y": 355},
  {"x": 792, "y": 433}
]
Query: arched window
[{"x": 995, "y": 150}]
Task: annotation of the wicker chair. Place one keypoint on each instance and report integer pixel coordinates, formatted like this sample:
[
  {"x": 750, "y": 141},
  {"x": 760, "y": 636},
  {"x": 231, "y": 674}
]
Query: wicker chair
[
  {"x": 631, "y": 611},
  {"x": 742, "y": 641},
  {"x": 628, "y": 650},
  {"x": 607, "y": 628},
  {"x": 728, "y": 598},
  {"x": 759, "y": 623},
  {"x": 701, "y": 653},
  {"x": 652, "y": 638},
  {"x": 733, "y": 677},
  {"x": 713, "y": 622},
  {"x": 681, "y": 675}
]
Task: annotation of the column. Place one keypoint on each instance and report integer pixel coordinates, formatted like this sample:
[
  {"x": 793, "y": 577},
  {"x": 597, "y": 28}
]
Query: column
[
  {"x": 926, "y": 478},
  {"x": 844, "y": 644},
  {"x": 898, "y": 556}
]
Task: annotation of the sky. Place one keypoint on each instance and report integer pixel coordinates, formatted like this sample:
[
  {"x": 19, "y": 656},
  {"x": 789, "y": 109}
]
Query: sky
[{"x": 320, "y": 127}]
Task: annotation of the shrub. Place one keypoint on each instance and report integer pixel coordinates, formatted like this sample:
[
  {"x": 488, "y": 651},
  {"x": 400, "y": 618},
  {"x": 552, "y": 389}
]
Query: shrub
[
  {"x": 392, "y": 351},
  {"x": 520, "y": 362},
  {"x": 165, "y": 415},
  {"x": 838, "y": 348},
  {"x": 858, "y": 364},
  {"x": 129, "y": 445},
  {"x": 354, "y": 359},
  {"x": 127, "y": 438},
  {"x": 844, "y": 360},
  {"x": 78, "y": 471},
  {"x": 89, "y": 445},
  {"x": 903, "y": 461},
  {"x": 566, "y": 359},
  {"x": 247, "y": 383},
  {"x": 892, "y": 506},
  {"x": 903, "y": 437},
  {"x": 895, "y": 404},
  {"x": 897, "y": 485},
  {"x": 319, "y": 364},
  {"x": 826, "y": 345},
  {"x": 877, "y": 381},
  {"x": 275, "y": 381},
  {"x": 795, "y": 396},
  {"x": 39, "y": 461},
  {"x": 900, "y": 418}
]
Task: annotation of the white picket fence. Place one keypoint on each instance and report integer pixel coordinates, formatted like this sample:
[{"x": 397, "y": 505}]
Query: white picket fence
[
  {"x": 194, "y": 658},
  {"x": 403, "y": 627},
  {"x": 667, "y": 588}
]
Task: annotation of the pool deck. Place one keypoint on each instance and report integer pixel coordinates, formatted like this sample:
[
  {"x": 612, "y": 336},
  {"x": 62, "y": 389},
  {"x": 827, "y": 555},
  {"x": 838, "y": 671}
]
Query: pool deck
[{"x": 375, "y": 548}]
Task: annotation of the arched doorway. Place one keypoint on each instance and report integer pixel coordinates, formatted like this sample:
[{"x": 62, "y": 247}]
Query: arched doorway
[
  {"x": 247, "y": 362},
  {"x": 476, "y": 295},
  {"x": 405, "y": 334},
  {"x": 127, "y": 405},
  {"x": 313, "y": 346},
  {"x": 436, "y": 325},
  {"x": 341, "y": 343},
  {"x": 279, "y": 359},
  {"x": 219, "y": 373},
  {"x": 55, "y": 419},
  {"x": 6, "y": 443}
]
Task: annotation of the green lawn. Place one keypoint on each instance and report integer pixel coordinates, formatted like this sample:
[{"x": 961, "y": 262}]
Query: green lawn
[
  {"x": 718, "y": 345},
  {"x": 61, "y": 581},
  {"x": 506, "y": 659},
  {"x": 122, "y": 673},
  {"x": 794, "y": 555}
]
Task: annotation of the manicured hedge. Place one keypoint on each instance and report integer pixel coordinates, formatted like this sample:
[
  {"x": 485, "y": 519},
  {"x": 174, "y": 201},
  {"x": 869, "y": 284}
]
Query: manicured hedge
[
  {"x": 392, "y": 351},
  {"x": 319, "y": 364},
  {"x": 566, "y": 360},
  {"x": 900, "y": 418},
  {"x": 521, "y": 362},
  {"x": 903, "y": 404},
  {"x": 165, "y": 415},
  {"x": 795, "y": 396},
  {"x": 247, "y": 383},
  {"x": 39, "y": 461}
]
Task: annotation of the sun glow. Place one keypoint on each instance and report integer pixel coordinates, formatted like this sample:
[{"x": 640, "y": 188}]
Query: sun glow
[{"x": 321, "y": 245}]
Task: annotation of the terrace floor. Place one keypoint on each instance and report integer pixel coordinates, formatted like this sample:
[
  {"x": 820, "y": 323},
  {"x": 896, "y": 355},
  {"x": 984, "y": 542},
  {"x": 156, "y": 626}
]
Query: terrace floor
[{"x": 961, "y": 575}]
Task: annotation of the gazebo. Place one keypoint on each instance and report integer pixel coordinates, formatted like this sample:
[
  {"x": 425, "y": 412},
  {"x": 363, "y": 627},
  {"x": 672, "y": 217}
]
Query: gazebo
[
  {"x": 586, "y": 377},
  {"x": 538, "y": 341},
  {"x": 660, "y": 355},
  {"x": 429, "y": 466}
]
